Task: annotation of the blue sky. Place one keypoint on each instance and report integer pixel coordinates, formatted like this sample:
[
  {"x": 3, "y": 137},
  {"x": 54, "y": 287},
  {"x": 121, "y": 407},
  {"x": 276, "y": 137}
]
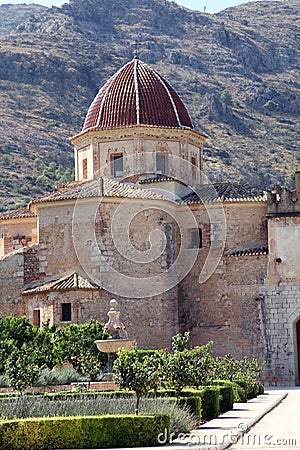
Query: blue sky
[{"x": 211, "y": 5}]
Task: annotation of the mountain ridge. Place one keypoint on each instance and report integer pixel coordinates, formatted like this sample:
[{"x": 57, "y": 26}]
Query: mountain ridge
[{"x": 237, "y": 72}]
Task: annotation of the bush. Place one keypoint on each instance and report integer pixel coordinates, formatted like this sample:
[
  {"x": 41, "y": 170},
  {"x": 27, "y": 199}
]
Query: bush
[
  {"x": 241, "y": 391},
  {"x": 62, "y": 375},
  {"x": 189, "y": 397},
  {"x": 210, "y": 396},
  {"x": 83, "y": 432},
  {"x": 261, "y": 388},
  {"x": 252, "y": 390},
  {"x": 3, "y": 381},
  {"x": 181, "y": 411},
  {"x": 194, "y": 405},
  {"x": 226, "y": 398},
  {"x": 21, "y": 370},
  {"x": 226, "y": 394}
]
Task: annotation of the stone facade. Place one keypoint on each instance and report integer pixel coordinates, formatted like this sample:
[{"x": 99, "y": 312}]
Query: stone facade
[
  {"x": 141, "y": 223},
  {"x": 280, "y": 307},
  {"x": 182, "y": 150},
  {"x": 280, "y": 296}
]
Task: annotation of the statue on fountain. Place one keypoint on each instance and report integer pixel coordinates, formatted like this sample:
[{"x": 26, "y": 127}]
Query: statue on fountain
[{"x": 114, "y": 326}]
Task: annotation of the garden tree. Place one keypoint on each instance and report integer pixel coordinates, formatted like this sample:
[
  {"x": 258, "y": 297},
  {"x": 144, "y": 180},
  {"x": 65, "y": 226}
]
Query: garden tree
[
  {"x": 91, "y": 365},
  {"x": 73, "y": 341},
  {"x": 42, "y": 346},
  {"x": 202, "y": 365},
  {"x": 14, "y": 331},
  {"x": 136, "y": 371},
  {"x": 7, "y": 346},
  {"x": 246, "y": 369},
  {"x": 21, "y": 370},
  {"x": 178, "y": 370},
  {"x": 18, "y": 329},
  {"x": 226, "y": 368}
]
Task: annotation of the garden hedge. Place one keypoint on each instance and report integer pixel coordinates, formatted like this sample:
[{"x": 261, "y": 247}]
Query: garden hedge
[
  {"x": 226, "y": 394},
  {"x": 226, "y": 398},
  {"x": 192, "y": 403},
  {"x": 210, "y": 396},
  {"x": 83, "y": 432}
]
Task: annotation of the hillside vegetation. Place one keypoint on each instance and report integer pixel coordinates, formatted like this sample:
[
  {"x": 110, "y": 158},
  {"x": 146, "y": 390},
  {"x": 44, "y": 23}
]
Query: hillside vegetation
[{"x": 237, "y": 72}]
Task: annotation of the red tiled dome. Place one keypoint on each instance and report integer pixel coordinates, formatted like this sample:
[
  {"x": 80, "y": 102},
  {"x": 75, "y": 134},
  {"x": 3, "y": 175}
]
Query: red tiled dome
[{"x": 136, "y": 95}]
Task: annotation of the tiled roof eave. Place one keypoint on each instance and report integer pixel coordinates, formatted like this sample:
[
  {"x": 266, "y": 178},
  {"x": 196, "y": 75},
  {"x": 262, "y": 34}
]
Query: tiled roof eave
[
  {"x": 45, "y": 290},
  {"x": 69, "y": 282},
  {"x": 259, "y": 251},
  {"x": 136, "y": 126},
  {"x": 103, "y": 188},
  {"x": 227, "y": 200},
  {"x": 22, "y": 213},
  {"x": 57, "y": 198}
]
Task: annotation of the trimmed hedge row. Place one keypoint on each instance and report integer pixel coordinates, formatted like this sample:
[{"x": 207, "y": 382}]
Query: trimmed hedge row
[
  {"x": 210, "y": 396},
  {"x": 209, "y": 400},
  {"x": 226, "y": 398},
  {"x": 83, "y": 432}
]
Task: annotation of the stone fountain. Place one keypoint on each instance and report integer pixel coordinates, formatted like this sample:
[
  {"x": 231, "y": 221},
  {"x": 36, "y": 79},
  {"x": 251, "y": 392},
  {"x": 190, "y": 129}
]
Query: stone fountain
[{"x": 117, "y": 340}]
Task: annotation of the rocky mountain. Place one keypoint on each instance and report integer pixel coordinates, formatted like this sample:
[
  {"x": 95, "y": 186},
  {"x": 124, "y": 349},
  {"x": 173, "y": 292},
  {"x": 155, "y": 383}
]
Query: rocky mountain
[
  {"x": 13, "y": 15},
  {"x": 237, "y": 72}
]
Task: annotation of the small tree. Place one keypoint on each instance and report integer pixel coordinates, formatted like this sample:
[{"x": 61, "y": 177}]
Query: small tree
[
  {"x": 226, "y": 97},
  {"x": 202, "y": 365},
  {"x": 137, "y": 372},
  {"x": 178, "y": 370},
  {"x": 74, "y": 341},
  {"x": 90, "y": 365},
  {"x": 42, "y": 346},
  {"x": 21, "y": 371}
]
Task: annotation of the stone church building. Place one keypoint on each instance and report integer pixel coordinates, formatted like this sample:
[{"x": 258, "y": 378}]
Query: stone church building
[{"x": 142, "y": 223}]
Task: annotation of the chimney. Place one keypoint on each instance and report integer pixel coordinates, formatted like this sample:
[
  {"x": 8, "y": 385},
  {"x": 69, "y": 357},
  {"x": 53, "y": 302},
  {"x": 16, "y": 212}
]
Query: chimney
[{"x": 297, "y": 183}]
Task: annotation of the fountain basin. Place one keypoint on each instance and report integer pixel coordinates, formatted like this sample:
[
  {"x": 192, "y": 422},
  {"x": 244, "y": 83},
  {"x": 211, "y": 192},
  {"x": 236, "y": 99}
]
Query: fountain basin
[{"x": 114, "y": 345}]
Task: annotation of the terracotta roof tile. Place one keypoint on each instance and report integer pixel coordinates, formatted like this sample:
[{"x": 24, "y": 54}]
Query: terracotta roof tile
[
  {"x": 158, "y": 178},
  {"x": 97, "y": 188},
  {"x": 69, "y": 282},
  {"x": 20, "y": 213},
  {"x": 224, "y": 192},
  {"x": 136, "y": 95},
  {"x": 249, "y": 252}
]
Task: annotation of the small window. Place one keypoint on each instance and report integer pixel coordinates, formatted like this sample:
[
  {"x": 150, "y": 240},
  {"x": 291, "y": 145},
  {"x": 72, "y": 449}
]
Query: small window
[
  {"x": 194, "y": 165},
  {"x": 160, "y": 163},
  {"x": 36, "y": 318},
  {"x": 84, "y": 169},
  {"x": 196, "y": 238},
  {"x": 117, "y": 165},
  {"x": 66, "y": 312}
]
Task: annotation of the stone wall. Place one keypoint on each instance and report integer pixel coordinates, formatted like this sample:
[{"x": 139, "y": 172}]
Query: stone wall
[
  {"x": 225, "y": 308},
  {"x": 11, "y": 284},
  {"x": 284, "y": 238},
  {"x": 280, "y": 310},
  {"x": 16, "y": 234},
  {"x": 139, "y": 147},
  {"x": 127, "y": 262}
]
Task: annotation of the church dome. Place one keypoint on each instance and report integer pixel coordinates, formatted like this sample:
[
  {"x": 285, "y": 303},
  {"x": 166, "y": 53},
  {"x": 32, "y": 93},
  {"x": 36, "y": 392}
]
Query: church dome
[{"x": 137, "y": 95}]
